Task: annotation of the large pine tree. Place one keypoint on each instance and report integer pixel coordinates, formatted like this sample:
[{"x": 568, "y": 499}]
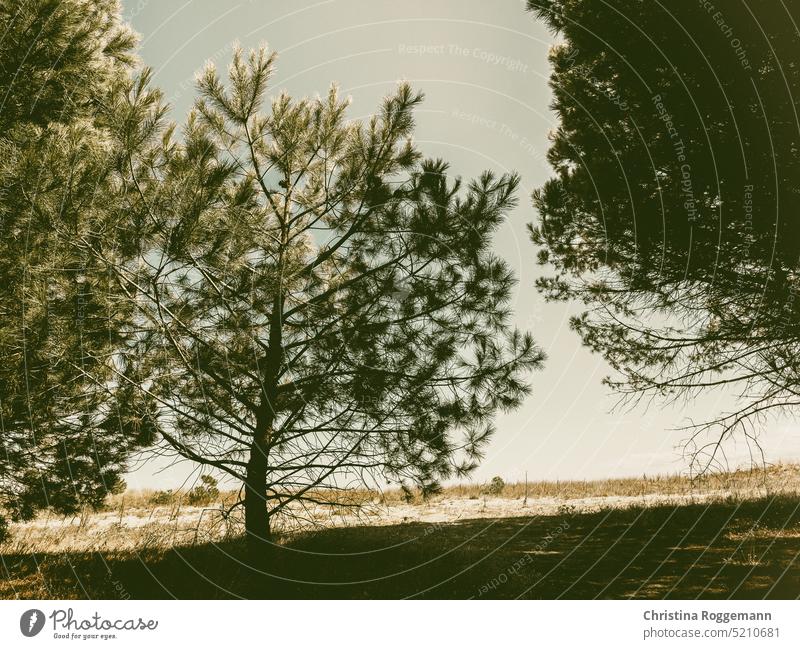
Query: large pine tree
[{"x": 319, "y": 307}]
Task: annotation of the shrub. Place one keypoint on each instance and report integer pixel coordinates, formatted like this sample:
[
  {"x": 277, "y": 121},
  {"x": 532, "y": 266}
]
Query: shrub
[
  {"x": 204, "y": 493},
  {"x": 162, "y": 497},
  {"x": 496, "y": 486}
]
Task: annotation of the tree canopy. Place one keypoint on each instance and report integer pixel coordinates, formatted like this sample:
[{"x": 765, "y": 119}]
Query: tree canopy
[{"x": 673, "y": 212}]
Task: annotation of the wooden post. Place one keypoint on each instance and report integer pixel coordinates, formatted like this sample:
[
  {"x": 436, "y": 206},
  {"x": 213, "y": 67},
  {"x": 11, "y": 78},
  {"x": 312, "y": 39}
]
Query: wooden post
[{"x": 525, "y": 501}]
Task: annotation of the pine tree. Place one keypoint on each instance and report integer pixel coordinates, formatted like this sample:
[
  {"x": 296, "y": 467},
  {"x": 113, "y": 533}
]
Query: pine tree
[
  {"x": 63, "y": 444},
  {"x": 673, "y": 212},
  {"x": 319, "y": 307}
]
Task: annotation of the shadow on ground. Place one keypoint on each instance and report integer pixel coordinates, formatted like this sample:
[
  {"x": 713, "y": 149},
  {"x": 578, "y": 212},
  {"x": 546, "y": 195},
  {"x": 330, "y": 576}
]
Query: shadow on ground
[{"x": 740, "y": 550}]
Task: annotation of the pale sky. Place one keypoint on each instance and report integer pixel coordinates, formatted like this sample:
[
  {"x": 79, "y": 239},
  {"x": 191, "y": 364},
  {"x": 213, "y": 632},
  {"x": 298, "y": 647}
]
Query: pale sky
[{"x": 483, "y": 68}]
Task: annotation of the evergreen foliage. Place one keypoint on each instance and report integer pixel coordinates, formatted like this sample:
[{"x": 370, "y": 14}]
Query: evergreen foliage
[
  {"x": 673, "y": 213},
  {"x": 64, "y": 444}
]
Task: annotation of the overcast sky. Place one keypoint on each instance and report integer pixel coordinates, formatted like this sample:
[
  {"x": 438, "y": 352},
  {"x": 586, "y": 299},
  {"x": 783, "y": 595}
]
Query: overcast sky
[{"x": 483, "y": 68}]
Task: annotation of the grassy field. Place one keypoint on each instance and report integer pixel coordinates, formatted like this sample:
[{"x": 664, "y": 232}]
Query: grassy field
[
  {"x": 775, "y": 478},
  {"x": 734, "y": 535}
]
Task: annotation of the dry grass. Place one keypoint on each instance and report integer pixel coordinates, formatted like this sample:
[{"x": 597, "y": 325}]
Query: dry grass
[
  {"x": 777, "y": 478},
  {"x": 745, "y": 515}
]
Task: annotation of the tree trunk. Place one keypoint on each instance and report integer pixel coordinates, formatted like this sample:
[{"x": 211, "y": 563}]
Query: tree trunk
[{"x": 256, "y": 516}]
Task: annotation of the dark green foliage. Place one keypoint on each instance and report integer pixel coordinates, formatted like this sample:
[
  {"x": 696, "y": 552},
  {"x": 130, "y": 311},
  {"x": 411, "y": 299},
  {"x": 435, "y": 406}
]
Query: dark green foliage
[
  {"x": 64, "y": 444},
  {"x": 674, "y": 214}
]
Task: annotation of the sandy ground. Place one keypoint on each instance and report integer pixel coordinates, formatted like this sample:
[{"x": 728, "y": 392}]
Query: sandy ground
[
  {"x": 168, "y": 526},
  {"x": 447, "y": 510}
]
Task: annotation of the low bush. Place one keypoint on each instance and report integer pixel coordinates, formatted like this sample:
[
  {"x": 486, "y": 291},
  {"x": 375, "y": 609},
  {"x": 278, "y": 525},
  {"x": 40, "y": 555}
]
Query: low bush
[
  {"x": 496, "y": 486},
  {"x": 204, "y": 493}
]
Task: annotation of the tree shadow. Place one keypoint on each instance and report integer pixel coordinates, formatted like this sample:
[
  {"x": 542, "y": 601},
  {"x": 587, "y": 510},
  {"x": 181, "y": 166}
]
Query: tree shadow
[{"x": 740, "y": 550}]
